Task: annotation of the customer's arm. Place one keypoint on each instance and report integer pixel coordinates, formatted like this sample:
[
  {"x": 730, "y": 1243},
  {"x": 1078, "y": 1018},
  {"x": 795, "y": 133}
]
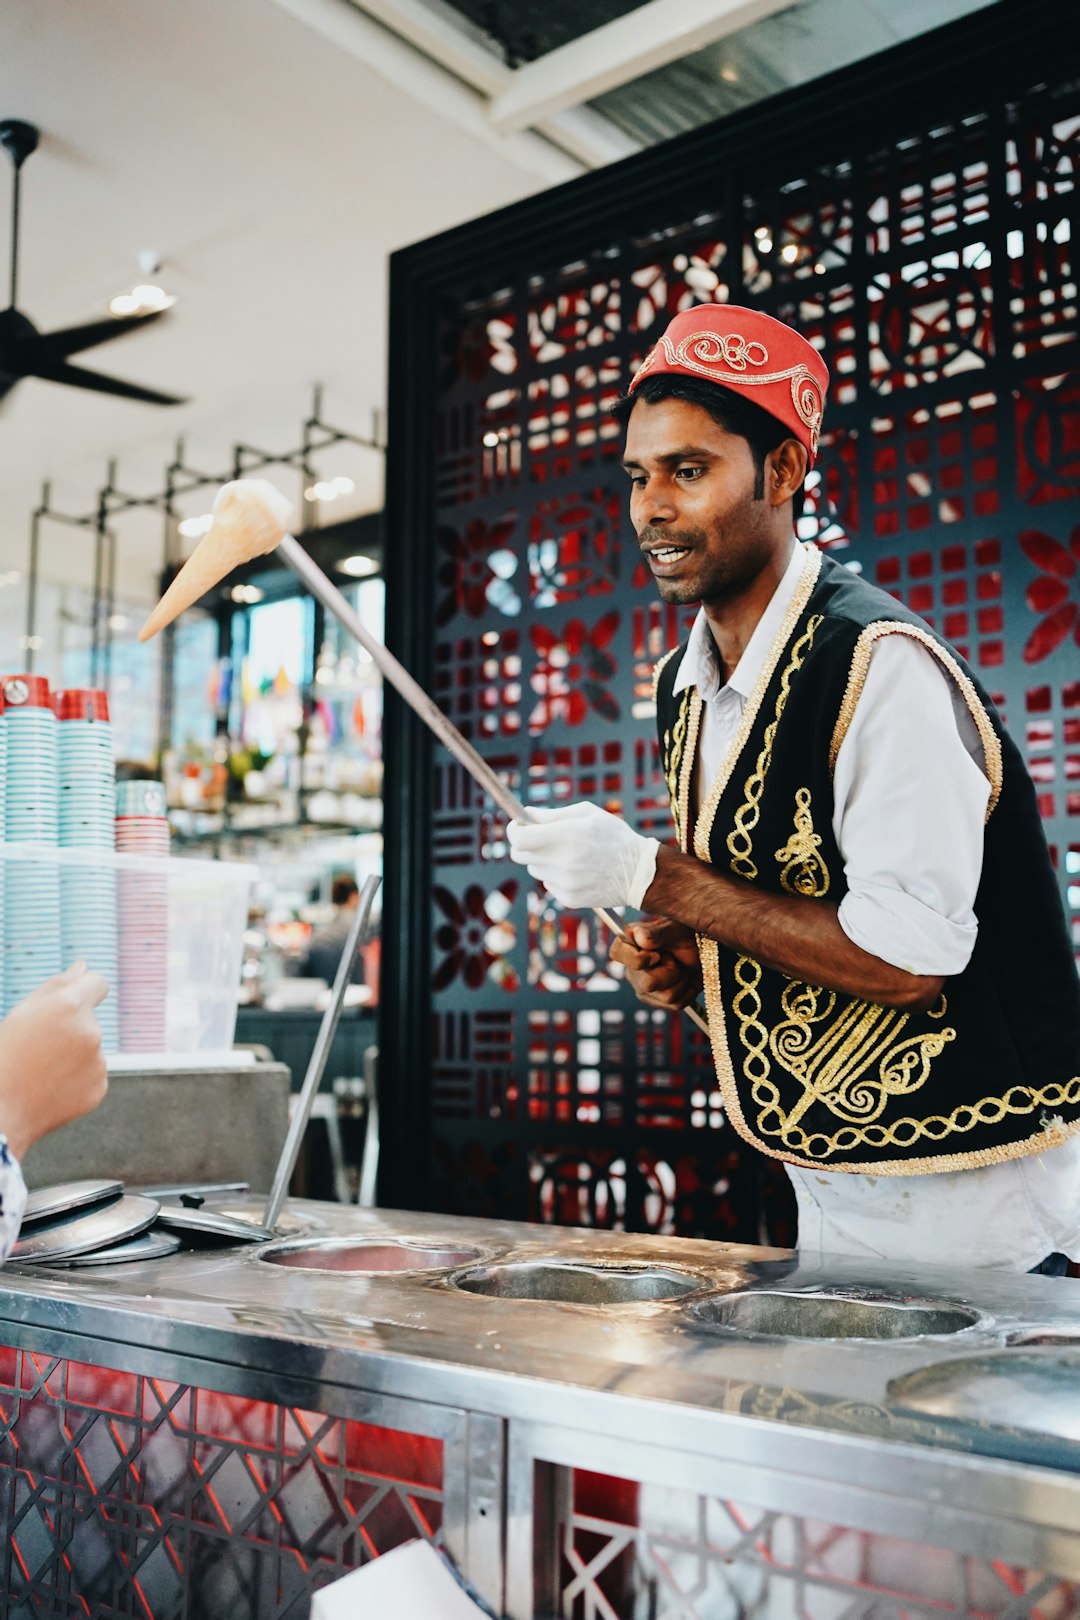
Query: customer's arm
[{"x": 52, "y": 1070}]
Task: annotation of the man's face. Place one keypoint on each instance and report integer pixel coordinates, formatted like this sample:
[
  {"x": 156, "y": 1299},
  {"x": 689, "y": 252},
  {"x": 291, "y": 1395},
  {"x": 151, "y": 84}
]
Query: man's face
[{"x": 692, "y": 503}]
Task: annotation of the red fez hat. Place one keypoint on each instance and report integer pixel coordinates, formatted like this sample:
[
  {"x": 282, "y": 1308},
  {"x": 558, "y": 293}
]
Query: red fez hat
[{"x": 754, "y": 355}]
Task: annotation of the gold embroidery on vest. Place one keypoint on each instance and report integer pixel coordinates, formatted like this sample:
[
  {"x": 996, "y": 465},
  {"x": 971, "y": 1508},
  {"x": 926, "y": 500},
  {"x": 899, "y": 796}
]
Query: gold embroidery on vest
[
  {"x": 903, "y": 1134},
  {"x": 837, "y": 1068},
  {"x": 860, "y": 663},
  {"x": 740, "y": 838},
  {"x": 659, "y": 668},
  {"x": 854, "y": 1065},
  {"x": 803, "y": 591},
  {"x": 804, "y": 871},
  {"x": 686, "y": 775},
  {"x": 674, "y": 746}
]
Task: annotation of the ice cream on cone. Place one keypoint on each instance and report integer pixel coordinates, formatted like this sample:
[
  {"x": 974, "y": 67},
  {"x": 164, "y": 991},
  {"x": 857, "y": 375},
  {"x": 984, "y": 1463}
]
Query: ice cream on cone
[{"x": 250, "y": 518}]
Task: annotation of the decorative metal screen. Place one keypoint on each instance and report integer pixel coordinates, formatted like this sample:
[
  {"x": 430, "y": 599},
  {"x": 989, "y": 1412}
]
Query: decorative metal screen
[
  {"x": 122, "y": 1494},
  {"x": 915, "y": 219},
  {"x": 632, "y": 1551}
]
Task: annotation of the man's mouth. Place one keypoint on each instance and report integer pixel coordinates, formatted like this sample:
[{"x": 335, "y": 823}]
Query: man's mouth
[{"x": 666, "y": 559}]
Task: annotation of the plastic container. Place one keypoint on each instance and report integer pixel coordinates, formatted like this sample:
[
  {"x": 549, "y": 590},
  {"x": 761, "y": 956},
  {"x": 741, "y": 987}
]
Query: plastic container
[{"x": 205, "y": 909}]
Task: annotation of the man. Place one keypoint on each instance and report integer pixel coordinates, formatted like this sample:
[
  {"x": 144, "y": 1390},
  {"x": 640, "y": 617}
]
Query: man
[
  {"x": 320, "y": 960},
  {"x": 862, "y": 889}
]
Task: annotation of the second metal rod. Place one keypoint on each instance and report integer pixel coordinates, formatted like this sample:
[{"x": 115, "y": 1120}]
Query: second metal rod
[{"x": 317, "y": 1063}]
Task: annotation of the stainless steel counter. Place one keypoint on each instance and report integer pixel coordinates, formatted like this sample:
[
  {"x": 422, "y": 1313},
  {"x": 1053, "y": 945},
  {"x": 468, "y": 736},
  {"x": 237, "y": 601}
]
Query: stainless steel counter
[{"x": 965, "y": 1438}]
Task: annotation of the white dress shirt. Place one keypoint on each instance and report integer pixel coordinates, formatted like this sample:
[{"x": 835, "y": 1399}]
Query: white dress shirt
[
  {"x": 12, "y": 1199},
  {"x": 910, "y": 795}
]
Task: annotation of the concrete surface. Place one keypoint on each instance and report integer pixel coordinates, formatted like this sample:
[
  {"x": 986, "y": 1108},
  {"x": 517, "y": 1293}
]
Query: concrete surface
[{"x": 197, "y": 1125}]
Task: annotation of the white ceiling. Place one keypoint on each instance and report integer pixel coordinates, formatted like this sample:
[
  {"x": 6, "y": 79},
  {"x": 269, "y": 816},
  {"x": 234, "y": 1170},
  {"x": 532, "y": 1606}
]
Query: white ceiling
[
  {"x": 274, "y": 153},
  {"x": 274, "y": 174}
]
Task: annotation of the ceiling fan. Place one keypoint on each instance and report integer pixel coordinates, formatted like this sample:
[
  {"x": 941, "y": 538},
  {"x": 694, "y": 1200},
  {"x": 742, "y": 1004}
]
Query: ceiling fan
[{"x": 26, "y": 352}]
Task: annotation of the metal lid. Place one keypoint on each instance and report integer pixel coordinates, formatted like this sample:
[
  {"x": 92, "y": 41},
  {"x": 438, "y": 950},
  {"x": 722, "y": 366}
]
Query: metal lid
[
  {"x": 45, "y": 1203},
  {"x": 83, "y": 1232},
  {"x": 147, "y": 1246},
  {"x": 213, "y": 1223}
]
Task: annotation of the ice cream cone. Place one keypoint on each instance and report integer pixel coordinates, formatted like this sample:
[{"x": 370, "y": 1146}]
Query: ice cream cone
[{"x": 250, "y": 519}]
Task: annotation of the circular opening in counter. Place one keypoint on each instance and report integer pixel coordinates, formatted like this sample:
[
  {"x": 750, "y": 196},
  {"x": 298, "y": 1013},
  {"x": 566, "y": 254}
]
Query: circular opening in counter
[
  {"x": 577, "y": 1283},
  {"x": 834, "y": 1316},
  {"x": 361, "y": 1259}
]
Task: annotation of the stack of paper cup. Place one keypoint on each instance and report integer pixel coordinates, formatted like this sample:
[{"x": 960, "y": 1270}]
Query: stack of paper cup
[
  {"x": 87, "y": 822},
  {"x": 32, "y": 887},
  {"x": 142, "y": 828}
]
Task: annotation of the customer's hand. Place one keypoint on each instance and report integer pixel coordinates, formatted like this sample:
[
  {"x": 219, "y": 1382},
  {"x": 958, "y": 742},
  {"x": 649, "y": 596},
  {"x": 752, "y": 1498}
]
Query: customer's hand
[
  {"x": 52, "y": 1068},
  {"x": 584, "y": 856},
  {"x": 661, "y": 961}
]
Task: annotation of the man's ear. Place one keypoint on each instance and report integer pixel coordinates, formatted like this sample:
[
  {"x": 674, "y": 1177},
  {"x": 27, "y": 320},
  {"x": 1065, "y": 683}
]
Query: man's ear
[{"x": 786, "y": 469}]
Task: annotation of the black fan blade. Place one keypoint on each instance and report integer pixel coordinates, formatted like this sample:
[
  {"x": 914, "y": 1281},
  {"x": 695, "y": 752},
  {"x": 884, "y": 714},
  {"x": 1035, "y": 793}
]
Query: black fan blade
[
  {"x": 18, "y": 335},
  {"x": 7, "y": 383},
  {"x": 74, "y": 339},
  {"x": 79, "y": 377}
]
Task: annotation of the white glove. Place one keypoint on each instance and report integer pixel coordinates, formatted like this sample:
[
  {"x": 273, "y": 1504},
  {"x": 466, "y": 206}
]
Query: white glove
[{"x": 584, "y": 856}]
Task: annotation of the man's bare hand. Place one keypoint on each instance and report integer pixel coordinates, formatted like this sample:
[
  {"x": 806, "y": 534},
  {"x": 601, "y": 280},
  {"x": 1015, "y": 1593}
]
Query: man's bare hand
[
  {"x": 52, "y": 1068},
  {"x": 661, "y": 962}
]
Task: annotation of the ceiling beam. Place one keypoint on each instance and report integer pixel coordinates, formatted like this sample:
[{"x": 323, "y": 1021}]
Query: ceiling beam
[
  {"x": 446, "y": 37},
  {"x": 658, "y": 32},
  {"x": 409, "y": 70}
]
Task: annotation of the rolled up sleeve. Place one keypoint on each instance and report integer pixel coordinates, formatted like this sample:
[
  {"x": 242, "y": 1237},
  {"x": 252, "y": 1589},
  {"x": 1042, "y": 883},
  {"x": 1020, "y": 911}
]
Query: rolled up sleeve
[{"x": 910, "y": 797}]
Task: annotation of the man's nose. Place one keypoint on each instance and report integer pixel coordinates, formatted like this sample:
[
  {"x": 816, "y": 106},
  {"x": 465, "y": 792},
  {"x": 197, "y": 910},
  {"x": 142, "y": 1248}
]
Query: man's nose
[{"x": 654, "y": 505}]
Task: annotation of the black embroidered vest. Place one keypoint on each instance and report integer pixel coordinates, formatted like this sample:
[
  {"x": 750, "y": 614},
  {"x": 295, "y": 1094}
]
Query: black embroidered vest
[{"x": 816, "y": 1077}]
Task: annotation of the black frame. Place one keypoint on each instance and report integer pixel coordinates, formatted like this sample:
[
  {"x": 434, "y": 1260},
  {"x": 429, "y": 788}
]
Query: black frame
[{"x": 979, "y": 61}]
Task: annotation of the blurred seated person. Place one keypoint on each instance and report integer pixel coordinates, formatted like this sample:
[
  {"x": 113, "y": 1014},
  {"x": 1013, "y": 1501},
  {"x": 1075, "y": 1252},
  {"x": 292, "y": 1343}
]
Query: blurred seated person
[
  {"x": 52, "y": 1070},
  {"x": 320, "y": 960}
]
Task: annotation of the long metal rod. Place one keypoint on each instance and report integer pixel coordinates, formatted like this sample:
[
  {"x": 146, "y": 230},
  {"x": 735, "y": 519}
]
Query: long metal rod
[
  {"x": 317, "y": 1063},
  {"x": 32, "y": 579},
  {"x": 14, "y": 293},
  {"x": 399, "y": 677},
  {"x": 423, "y": 705}
]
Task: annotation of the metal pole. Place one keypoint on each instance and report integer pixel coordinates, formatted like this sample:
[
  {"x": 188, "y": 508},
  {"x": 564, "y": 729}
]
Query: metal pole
[
  {"x": 13, "y": 298},
  {"x": 32, "y": 581},
  {"x": 99, "y": 571},
  {"x": 110, "y": 606},
  {"x": 327, "y": 1030}
]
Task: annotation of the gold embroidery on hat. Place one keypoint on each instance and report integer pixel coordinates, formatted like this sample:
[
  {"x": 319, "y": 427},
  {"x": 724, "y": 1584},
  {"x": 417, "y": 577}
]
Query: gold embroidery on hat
[
  {"x": 709, "y": 353},
  {"x": 708, "y": 349},
  {"x": 804, "y": 871},
  {"x": 732, "y": 348},
  {"x": 806, "y": 397}
]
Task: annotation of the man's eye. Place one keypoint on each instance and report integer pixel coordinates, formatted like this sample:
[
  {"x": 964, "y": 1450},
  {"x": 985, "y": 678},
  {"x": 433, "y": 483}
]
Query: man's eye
[{"x": 690, "y": 473}]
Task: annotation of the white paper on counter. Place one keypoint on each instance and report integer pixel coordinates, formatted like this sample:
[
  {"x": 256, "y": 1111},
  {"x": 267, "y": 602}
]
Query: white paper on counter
[{"x": 412, "y": 1578}]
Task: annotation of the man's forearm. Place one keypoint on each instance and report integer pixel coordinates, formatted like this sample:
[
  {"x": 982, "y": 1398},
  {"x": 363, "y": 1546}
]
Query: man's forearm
[{"x": 797, "y": 936}]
